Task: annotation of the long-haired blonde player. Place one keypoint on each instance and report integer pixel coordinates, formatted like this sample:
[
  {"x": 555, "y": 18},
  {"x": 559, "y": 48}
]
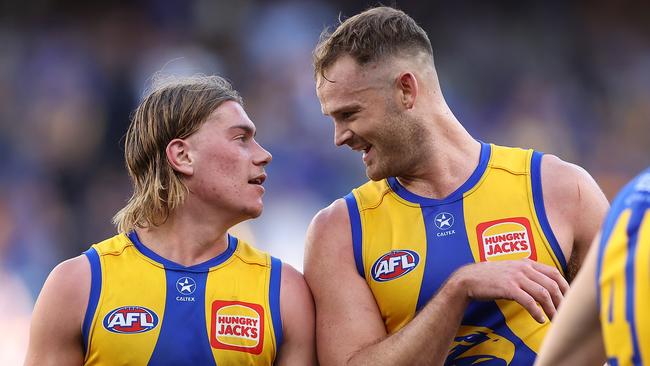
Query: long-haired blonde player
[
  {"x": 396, "y": 265},
  {"x": 606, "y": 314},
  {"x": 173, "y": 287}
]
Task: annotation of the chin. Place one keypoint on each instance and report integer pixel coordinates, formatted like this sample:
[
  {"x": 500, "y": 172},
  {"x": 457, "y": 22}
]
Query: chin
[
  {"x": 376, "y": 174},
  {"x": 254, "y": 212}
]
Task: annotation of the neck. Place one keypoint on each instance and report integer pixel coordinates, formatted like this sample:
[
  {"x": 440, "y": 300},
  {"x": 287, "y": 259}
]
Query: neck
[
  {"x": 447, "y": 161},
  {"x": 186, "y": 238}
]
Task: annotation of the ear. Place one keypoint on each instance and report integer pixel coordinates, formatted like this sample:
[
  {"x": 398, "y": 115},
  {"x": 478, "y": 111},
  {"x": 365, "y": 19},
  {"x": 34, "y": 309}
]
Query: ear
[
  {"x": 408, "y": 87},
  {"x": 178, "y": 156}
]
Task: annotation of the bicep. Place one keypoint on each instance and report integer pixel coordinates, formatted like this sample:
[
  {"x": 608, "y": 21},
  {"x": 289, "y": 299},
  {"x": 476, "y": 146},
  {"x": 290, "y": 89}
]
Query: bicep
[
  {"x": 575, "y": 337},
  {"x": 55, "y": 332},
  {"x": 347, "y": 316},
  {"x": 593, "y": 208},
  {"x": 348, "y": 320},
  {"x": 297, "y": 309},
  {"x": 575, "y": 206}
]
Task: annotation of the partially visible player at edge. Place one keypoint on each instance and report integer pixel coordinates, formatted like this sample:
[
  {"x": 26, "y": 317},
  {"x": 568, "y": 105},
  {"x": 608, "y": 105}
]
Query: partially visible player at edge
[
  {"x": 606, "y": 314},
  {"x": 173, "y": 287},
  {"x": 396, "y": 265}
]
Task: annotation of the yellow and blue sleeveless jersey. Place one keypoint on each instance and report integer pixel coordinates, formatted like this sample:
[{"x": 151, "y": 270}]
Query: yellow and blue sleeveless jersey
[
  {"x": 406, "y": 246},
  {"x": 146, "y": 310},
  {"x": 623, "y": 276}
]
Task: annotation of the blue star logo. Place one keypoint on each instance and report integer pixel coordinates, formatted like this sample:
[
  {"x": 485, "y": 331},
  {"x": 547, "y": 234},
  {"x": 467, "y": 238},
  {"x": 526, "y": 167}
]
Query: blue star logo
[{"x": 186, "y": 285}]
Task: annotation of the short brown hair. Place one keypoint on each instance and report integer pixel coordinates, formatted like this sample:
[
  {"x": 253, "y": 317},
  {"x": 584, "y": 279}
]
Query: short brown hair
[
  {"x": 175, "y": 107},
  {"x": 369, "y": 36}
]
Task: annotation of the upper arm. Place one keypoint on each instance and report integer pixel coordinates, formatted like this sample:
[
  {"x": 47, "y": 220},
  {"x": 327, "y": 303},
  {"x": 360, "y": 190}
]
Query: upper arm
[
  {"x": 55, "y": 333},
  {"x": 575, "y": 337},
  {"x": 347, "y": 316},
  {"x": 575, "y": 206},
  {"x": 297, "y": 309}
]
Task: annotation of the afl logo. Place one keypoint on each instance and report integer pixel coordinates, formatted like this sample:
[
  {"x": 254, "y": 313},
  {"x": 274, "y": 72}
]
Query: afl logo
[
  {"x": 130, "y": 319},
  {"x": 394, "y": 264}
]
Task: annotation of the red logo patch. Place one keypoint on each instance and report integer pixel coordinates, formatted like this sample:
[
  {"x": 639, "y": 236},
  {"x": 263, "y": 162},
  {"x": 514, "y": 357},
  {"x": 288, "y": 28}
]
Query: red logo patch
[
  {"x": 503, "y": 239},
  {"x": 130, "y": 319},
  {"x": 237, "y": 326},
  {"x": 394, "y": 264}
]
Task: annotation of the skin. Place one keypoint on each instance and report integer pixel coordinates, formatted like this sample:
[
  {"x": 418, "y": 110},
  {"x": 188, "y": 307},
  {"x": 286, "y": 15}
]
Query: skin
[
  {"x": 375, "y": 107},
  {"x": 576, "y": 336},
  {"x": 217, "y": 164}
]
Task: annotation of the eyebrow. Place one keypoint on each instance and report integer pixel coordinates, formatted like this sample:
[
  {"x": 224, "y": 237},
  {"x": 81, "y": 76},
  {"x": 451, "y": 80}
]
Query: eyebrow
[
  {"x": 246, "y": 128},
  {"x": 344, "y": 108}
]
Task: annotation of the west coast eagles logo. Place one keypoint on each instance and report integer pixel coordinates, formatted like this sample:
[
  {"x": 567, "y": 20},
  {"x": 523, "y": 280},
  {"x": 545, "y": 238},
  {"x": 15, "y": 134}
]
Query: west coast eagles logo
[{"x": 480, "y": 346}]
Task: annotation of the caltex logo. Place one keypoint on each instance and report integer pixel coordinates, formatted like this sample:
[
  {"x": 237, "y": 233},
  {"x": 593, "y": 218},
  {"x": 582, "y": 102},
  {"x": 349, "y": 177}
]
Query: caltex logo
[
  {"x": 186, "y": 285},
  {"x": 444, "y": 220}
]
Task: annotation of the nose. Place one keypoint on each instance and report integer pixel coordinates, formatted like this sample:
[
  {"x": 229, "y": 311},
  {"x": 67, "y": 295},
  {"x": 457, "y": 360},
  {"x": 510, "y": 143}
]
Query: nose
[
  {"x": 263, "y": 157},
  {"x": 341, "y": 134}
]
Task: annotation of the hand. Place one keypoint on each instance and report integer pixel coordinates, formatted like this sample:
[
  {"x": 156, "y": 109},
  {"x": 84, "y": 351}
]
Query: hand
[{"x": 524, "y": 281}]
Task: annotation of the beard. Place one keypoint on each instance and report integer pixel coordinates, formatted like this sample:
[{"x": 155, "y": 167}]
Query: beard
[{"x": 398, "y": 144}]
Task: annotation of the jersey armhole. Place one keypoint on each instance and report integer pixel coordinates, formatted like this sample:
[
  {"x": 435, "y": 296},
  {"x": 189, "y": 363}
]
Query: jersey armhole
[
  {"x": 93, "y": 299},
  {"x": 540, "y": 210},
  {"x": 355, "y": 223},
  {"x": 274, "y": 301}
]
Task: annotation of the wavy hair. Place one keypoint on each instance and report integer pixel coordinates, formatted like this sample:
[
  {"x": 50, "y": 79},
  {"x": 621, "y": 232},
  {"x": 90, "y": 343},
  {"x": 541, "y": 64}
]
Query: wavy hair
[{"x": 174, "y": 107}]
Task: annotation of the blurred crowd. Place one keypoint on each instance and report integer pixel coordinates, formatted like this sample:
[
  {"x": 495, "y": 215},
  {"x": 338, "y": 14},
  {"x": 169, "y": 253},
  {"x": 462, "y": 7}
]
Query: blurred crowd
[{"x": 568, "y": 78}]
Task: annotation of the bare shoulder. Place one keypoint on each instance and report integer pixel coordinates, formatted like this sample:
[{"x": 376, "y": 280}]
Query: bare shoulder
[
  {"x": 328, "y": 247},
  {"x": 298, "y": 318},
  {"x": 69, "y": 282},
  {"x": 337, "y": 212},
  {"x": 562, "y": 177},
  {"x": 570, "y": 189},
  {"x": 294, "y": 287},
  {"x": 332, "y": 222},
  {"x": 55, "y": 333},
  {"x": 575, "y": 204}
]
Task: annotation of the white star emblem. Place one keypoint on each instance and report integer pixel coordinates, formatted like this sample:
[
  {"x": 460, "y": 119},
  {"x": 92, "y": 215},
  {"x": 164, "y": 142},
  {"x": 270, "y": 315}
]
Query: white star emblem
[
  {"x": 444, "y": 220},
  {"x": 185, "y": 285}
]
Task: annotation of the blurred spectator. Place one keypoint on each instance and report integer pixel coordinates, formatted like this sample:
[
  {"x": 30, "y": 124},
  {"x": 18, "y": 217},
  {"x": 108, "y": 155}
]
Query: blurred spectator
[
  {"x": 568, "y": 78},
  {"x": 15, "y": 301}
]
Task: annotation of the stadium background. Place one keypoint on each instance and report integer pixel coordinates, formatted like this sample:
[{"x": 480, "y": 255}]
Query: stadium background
[{"x": 569, "y": 78}]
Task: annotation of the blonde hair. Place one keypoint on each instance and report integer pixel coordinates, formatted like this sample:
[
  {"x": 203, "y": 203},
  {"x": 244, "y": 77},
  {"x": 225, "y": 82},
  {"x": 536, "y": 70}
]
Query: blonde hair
[
  {"x": 371, "y": 36},
  {"x": 174, "y": 107}
]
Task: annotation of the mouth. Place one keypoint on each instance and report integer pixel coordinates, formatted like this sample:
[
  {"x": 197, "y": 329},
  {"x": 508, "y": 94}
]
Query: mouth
[
  {"x": 365, "y": 150},
  {"x": 258, "y": 180},
  {"x": 362, "y": 148}
]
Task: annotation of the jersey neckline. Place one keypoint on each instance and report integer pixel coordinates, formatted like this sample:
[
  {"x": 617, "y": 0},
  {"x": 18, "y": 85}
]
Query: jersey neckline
[
  {"x": 473, "y": 179},
  {"x": 167, "y": 264}
]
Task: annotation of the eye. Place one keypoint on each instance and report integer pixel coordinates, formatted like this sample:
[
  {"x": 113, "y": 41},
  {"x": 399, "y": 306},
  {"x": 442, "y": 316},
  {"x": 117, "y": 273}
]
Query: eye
[
  {"x": 241, "y": 137},
  {"x": 347, "y": 115}
]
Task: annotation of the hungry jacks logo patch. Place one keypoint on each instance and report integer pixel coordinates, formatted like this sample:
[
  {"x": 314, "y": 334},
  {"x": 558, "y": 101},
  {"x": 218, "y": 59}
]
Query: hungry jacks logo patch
[
  {"x": 504, "y": 239},
  {"x": 237, "y": 326}
]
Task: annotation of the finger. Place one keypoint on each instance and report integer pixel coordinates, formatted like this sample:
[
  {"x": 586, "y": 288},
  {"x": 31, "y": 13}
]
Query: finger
[
  {"x": 527, "y": 301},
  {"x": 540, "y": 295},
  {"x": 549, "y": 284},
  {"x": 553, "y": 273}
]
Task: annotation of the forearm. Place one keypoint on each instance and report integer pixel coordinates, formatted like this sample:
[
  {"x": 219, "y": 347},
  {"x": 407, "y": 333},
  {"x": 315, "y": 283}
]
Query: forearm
[
  {"x": 575, "y": 337},
  {"x": 426, "y": 339}
]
